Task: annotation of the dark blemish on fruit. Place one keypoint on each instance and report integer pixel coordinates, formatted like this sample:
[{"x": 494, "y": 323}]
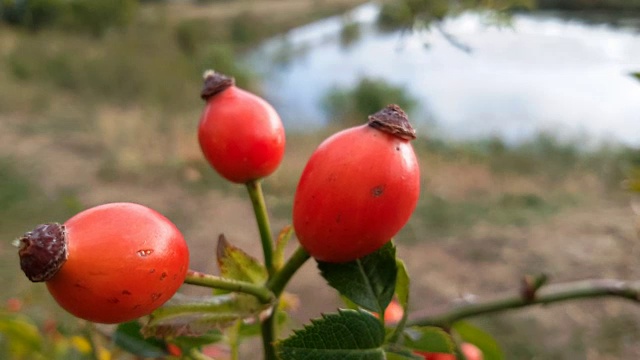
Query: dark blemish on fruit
[
  {"x": 163, "y": 275},
  {"x": 377, "y": 191},
  {"x": 136, "y": 306},
  {"x": 397, "y": 148},
  {"x": 80, "y": 286},
  {"x": 113, "y": 300},
  {"x": 126, "y": 292},
  {"x": 155, "y": 296}
]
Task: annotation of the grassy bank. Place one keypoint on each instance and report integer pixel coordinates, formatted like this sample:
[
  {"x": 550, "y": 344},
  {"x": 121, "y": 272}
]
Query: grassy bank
[{"x": 590, "y": 5}]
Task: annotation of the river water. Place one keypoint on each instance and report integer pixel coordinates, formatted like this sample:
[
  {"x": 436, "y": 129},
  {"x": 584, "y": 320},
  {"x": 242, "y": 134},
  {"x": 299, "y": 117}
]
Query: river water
[{"x": 539, "y": 73}]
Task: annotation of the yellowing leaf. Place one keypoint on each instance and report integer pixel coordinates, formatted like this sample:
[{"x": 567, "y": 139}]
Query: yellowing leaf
[{"x": 236, "y": 264}]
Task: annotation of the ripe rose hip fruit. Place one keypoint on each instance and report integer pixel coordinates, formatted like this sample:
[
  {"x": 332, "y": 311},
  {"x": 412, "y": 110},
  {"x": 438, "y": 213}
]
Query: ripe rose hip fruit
[
  {"x": 108, "y": 264},
  {"x": 240, "y": 134},
  {"x": 358, "y": 189},
  {"x": 470, "y": 351},
  {"x": 393, "y": 313}
]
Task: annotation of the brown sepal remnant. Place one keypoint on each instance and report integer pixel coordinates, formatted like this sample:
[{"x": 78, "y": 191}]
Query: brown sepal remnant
[
  {"x": 215, "y": 83},
  {"x": 393, "y": 120},
  {"x": 43, "y": 251}
]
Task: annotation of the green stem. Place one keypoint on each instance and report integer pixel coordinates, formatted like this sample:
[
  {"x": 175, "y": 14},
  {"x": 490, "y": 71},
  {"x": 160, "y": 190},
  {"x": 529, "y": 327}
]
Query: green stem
[
  {"x": 278, "y": 282},
  {"x": 268, "y": 328},
  {"x": 195, "y": 354},
  {"x": 260, "y": 292},
  {"x": 260, "y": 209},
  {"x": 397, "y": 332},
  {"x": 546, "y": 294}
]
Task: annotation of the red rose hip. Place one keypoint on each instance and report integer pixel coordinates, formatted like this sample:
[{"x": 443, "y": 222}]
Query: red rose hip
[
  {"x": 240, "y": 134},
  {"x": 358, "y": 189},
  {"x": 108, "y": 264}
]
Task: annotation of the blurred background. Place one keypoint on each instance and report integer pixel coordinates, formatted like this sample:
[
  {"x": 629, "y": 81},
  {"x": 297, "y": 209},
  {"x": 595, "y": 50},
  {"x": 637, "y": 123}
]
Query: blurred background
[{"x": 529, "y": 140}]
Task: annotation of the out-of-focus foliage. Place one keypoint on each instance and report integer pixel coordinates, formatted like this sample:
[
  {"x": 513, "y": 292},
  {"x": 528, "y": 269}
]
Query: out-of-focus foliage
[
  {"x": 351, "y": 106},
  {"x": 409, "y": 13},
  {"x": 633, "y": 5},
  {"x": 91, "y": 16},
  {"x": 21, "y": 337}
]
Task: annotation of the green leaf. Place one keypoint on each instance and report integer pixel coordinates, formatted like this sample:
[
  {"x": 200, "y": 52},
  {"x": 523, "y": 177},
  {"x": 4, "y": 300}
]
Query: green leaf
[
  {"x": 480, "y": 338},
  {"x": 129, "y": 337},
  {"x": 402, "y": 284},
  {"x": 429, "y": 339},
  {"x": 636, "y": 75},
  {"x": 281, "y": 243},
  {"x": 190, "y": 342},
  {"x": 184, "y": 316},
  {"x": 397, "y": 352},
  {"x": 346, "y": 335},
  {"x": 348, "y": 303},
  {"x": 369, "y": 281},
  {"x": 236, "y": 264}
]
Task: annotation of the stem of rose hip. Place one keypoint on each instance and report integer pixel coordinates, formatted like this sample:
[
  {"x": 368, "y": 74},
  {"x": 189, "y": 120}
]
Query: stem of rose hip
[
  {"x": 397, "y": 332},
  {"x": 276, "y": 284},
  {"x": 262, "y": 217},
  {"x": 260, "y": 292}
]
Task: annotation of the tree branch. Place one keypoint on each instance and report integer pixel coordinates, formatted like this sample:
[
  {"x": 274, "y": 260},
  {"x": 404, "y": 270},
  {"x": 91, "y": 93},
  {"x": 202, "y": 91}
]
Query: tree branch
[{"x": 545, "y": 294}]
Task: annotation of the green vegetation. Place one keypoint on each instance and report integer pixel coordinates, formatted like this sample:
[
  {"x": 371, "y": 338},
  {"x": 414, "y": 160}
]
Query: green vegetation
[
  {"x": 422, "y": 13},
  {"x": 619, "y": 5},
  {"x": 92, "y": 16},
  {"x": 348, "y": 107},
  {"x": 409, "y": 13}
]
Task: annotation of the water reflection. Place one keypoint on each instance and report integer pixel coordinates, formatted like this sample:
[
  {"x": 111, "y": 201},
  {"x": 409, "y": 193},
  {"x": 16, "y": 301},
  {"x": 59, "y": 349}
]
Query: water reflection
[{"x": 543, "y": 72}]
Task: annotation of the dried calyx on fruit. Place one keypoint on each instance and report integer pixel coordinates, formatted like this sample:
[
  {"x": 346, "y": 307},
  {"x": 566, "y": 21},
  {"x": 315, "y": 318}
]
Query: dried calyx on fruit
[
  {"x": 393, "y": 120},
  {"x": 43, "y": 251},
  {"x": 214, "y": 83}
]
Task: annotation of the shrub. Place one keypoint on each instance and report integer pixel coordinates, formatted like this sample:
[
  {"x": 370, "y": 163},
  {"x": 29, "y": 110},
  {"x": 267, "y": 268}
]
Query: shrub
[{"x": 350, "y": 106}]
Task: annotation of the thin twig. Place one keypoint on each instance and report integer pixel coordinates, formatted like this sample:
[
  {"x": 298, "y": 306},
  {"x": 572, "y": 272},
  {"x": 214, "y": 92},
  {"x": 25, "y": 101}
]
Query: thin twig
[{"x": 546, "y": 294}]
